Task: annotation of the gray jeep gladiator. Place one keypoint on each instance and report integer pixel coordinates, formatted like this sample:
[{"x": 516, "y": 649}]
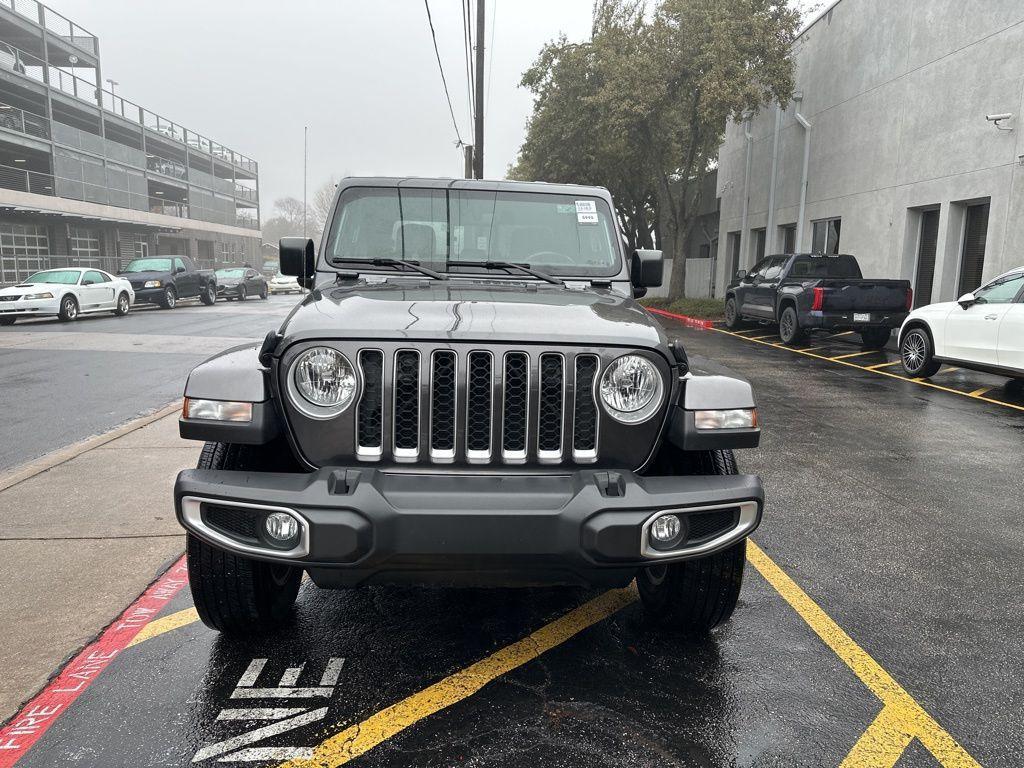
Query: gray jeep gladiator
[{"x": 470, "y": 396}]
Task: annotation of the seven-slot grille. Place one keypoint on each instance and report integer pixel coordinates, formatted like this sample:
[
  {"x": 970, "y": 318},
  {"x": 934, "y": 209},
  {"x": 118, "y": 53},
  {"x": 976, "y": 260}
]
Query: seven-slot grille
[{"x": 517, "y": 405}]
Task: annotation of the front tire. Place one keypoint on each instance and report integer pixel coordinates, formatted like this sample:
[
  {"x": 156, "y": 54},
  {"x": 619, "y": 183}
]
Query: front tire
[
  {"x": 732, "y": 314},
  {"x": 916, "y": 354},
  {"x": 7, "y": 320},
  {"x": 875, "y": 338},
  {"x": 789, "y": 326},
  {"x": 68, "y": 309},
  {"x": 241, "y": 293},
  {"x": 124, "y": 304},
  {"x": 209, "y": 296},
  {"x": 169, "y": 300},
  {"x": 264, "y": 293},
  {"x": 696, "y": 595},
  {"x": 234, "y": 594}
]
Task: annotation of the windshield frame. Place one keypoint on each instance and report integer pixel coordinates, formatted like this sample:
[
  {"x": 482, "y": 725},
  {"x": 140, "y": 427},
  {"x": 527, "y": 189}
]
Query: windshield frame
[{"x": 617, "y": 270}]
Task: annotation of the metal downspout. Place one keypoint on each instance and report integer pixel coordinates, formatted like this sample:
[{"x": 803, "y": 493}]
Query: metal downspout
[
  {"x": 746, "y": 198},
  {"x": 770, "y": 227},
  {"x": 803, "y": 179}
]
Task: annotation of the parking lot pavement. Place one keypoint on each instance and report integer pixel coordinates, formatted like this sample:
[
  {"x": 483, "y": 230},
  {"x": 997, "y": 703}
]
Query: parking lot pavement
[{"x": 879, "y": 624}]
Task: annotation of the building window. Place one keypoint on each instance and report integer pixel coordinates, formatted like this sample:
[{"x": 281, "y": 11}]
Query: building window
[
  {"x": 759, "y": 243},
  {"x": 84, "y": 247},
  {"x": 972, "y": 259},
  {"x": 825, "y": 237},
  {"x": 788, "y": 232},
  {"x": 733, "y": 255},
  {"x": 704, "y": 252},
  {"x": 927, "y": 244},
  {"x": 24, "y": 249}
]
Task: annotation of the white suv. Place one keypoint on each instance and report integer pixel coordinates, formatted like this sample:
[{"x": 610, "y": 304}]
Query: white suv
[{"x": 983, "y": 330}]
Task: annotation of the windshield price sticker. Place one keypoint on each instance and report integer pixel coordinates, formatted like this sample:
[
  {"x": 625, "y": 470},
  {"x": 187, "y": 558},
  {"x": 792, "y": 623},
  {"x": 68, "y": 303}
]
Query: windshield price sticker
[
  {"x": 586, "y": 218},
  {"x": 586, "y": 206}
]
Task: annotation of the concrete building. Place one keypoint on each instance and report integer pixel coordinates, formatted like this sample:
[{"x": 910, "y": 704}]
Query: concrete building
[
  {"x": 889, "y": 129},
  {"x": 90, "y": 178}
]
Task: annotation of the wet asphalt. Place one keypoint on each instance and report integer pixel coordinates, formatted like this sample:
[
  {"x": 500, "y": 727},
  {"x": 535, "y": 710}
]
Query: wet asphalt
[{"x": 894, "y": 506}]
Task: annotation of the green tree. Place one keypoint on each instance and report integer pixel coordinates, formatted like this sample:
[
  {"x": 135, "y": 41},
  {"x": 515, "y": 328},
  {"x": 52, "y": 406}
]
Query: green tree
[{"x": 654, "y": 93}]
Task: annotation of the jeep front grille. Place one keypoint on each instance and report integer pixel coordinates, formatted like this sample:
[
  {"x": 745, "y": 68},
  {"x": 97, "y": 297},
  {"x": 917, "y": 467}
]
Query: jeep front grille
[{"x": 519, "y": 406}]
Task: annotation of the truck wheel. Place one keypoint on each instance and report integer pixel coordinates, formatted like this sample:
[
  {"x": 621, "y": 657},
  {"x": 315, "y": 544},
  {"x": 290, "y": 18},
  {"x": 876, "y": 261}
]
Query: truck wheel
[
  {"x": 789, "y": 326},
  {"x": 170, "y": 298},
  {"x": 732, "y": 315},
  {"x": 696, "y": 595},
  {"x": 234, "y": 594},
  {"x": 123, "y": 305},
  {"x": 916, "y": 354},
  {"x": 209, "y": 296},
  {"x": 68, "y": 308},
  {"x": 875, "y": 338}
]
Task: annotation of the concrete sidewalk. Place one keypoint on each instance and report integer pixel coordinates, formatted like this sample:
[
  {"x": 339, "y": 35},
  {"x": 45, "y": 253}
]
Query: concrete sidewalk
[{"x": 79, "y": 542}]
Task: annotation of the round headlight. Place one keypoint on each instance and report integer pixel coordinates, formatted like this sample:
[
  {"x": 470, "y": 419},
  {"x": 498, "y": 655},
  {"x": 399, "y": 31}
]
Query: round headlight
[
  {"x": 325, "y": 378},
  {"x": 631, "y": 389}
]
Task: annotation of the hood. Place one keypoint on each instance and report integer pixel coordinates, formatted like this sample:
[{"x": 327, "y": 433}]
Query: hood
[
  {"x": 141, "y": 277},
  {"x": 228, "y": 280},
  {"x": 463, "y": 310},
  {"x": 21, "y": 288}
]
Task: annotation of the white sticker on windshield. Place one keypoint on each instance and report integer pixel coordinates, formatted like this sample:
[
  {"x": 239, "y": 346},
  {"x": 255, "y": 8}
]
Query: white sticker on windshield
[
  {"x": 586, "y": 206},
  {"x": 586, "y": 218},
  {"x": 481, "y": 243}
]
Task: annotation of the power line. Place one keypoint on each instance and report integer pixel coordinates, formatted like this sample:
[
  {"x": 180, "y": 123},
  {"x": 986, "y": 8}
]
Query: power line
[{"x": 444, "y": 81}]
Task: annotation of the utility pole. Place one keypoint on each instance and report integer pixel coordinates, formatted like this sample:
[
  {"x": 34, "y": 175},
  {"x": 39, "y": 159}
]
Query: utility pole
[
  {"x": 305, "y": 163},
  {"x": 478, "y": 140},
  {"x": 468, "y": 150}
]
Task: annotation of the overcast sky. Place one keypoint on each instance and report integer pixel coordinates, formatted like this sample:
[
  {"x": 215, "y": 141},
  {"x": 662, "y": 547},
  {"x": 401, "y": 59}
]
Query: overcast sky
[{"x": 362, "y": 75}]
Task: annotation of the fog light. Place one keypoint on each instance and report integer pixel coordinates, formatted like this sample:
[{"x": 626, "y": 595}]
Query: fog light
[
  {"x": 665, "y": 528},
  {"x": 281, "y": 527}
]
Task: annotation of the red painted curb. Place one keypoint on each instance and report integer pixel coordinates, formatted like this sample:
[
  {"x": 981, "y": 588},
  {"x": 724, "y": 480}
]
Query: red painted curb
[
  {"x": 26, "y": 728},
  {"x": 693, "y": 322}
]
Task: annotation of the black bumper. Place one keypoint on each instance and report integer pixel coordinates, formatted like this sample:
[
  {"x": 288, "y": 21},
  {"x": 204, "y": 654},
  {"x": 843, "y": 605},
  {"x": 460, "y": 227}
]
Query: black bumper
[
  {"x": 366, "y": 526},
  {"x": 848, "y": 321}
]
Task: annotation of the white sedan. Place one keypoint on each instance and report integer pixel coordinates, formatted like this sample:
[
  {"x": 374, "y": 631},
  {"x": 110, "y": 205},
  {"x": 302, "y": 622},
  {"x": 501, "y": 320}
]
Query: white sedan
[
  {"x": 284, "y": 284},
  {"x": 983, "y": 330},
  {"x": 66, "y": 293}
]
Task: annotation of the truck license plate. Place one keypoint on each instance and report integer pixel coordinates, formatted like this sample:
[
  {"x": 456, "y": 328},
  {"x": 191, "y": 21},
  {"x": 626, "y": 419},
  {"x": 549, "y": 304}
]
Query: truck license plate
[{"x": 862, "y": 317}]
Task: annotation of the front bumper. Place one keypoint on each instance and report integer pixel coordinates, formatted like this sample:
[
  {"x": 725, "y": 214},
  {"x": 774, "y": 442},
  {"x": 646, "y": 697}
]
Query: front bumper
[
  {"x": 149, "y": 295},
  {"x": 362, "y": 525},
  {"x": 33, "y": 308},
  {"x": 228, "y": 290},
  {"x": 853, "y": 321}
]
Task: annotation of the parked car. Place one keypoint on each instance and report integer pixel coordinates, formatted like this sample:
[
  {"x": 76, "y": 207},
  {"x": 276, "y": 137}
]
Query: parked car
[
  {"x": 163, "y": 280},
  {"x": 66, "y": 293},
  {"x": 808, "y": 291},
  {"x": 284, "y": 284},
  {"x": 983, "y": 330},
  {"x": 240, "y": 283},
  {"x": 480, "y": 420}
]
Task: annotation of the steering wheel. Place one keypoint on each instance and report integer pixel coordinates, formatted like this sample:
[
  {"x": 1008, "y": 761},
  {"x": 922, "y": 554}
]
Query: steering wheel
[{"x": 570, "y": 259}]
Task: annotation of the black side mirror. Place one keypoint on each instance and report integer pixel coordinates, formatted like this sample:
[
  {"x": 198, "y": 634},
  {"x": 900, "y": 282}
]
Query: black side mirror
[
  {"x": 647, "y": 269},
  {"x": 298, "y": 259},
  {"x": 179, "y": 270}
]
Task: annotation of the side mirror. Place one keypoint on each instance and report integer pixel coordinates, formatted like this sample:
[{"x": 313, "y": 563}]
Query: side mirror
[
  {"x": 740, "y": 274},
  {"x": 178, "y": 270},
  {"x": 298, "y": 259},
  {"x": 967, "y": 300},
  {"x": 647, "y": 269}
]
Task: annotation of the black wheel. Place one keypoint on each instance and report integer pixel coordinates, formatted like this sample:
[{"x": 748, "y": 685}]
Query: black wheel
[
  {"x": 1013, "y": 386},
  {"x": 235, "y": 594},
  {"x": 209, "y": 296},
  {"x": 124, "y": 304},
  {"x": 732, "y": 315},
  {"x": 241, "y": 293},
  {"x": 696, "y": 595},
  {"x": 7, "y": 320},
  {"x": 170, "y": 298},
  {"x": 875, "y": 338},
  {"x": 68, "y": 308},
  {"x": 263, "y": 292},
  {"x": 916, "y": 354},
  {"x": 789, "y": 326}
]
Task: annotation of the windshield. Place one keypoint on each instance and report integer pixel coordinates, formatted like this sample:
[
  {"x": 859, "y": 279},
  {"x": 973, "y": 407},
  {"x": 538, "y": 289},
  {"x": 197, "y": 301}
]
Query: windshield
[
  {"x": 558, "y": 234},
  {"x": 62, "y": 276},
  {"x": 230, "y": 272},
  {"x": 148, "y": 265}
]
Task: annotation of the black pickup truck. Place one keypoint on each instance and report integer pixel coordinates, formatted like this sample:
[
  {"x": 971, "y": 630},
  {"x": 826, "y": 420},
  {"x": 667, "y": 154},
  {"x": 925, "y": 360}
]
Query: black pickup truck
[
  {"x": 165, "y": 279},
  {"x": 806, "y": 291}
]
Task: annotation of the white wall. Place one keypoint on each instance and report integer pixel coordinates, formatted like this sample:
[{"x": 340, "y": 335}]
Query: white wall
[
  {"x": 698, "y": 277},
  {"x": 897, "y": 94}
]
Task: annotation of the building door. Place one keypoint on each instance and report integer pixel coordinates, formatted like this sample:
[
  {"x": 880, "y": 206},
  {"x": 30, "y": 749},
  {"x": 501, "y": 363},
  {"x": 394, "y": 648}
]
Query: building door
[
  {"x": 926, "y": 244},
  {"x": 972, "y": 260},
  {"x": 733, "y": 263}
]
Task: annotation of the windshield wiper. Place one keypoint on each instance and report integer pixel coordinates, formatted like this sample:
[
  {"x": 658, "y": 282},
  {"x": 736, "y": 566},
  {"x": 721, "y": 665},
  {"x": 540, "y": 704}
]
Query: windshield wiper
[
  {"x": 507, "y": 265},
  {"x": 379, "y": 262}
]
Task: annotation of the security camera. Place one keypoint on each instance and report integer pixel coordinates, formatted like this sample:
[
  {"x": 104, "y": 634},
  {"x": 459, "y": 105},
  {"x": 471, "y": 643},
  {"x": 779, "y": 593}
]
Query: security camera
[{"x": 1000, "y": 116}]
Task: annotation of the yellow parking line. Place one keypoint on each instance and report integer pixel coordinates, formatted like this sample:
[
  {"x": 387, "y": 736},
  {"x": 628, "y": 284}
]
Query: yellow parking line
[
  {"x": 905, "y": 718},
  {"x": 922, "y": 382},
  {"x": 165, "y": 624},
  {"x": 881, "y": 365},
  {"x": 362, "y": 737},
  {"x": 837, "y": 335},
  {"x": 951, "y": 369},
  {"x": 855, "y": 354}
]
